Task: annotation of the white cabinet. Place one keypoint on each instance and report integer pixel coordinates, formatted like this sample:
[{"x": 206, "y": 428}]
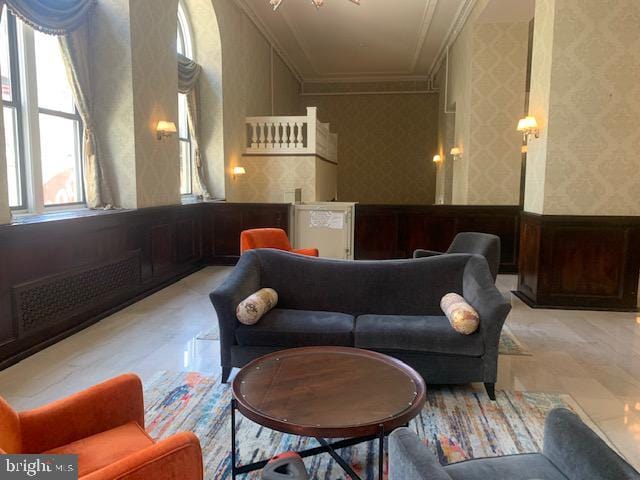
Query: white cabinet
[{"x": 327, "y": 226}]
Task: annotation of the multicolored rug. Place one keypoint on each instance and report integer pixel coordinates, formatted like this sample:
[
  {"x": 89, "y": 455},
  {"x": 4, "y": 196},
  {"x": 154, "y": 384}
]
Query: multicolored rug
[
  {"x": 457, "y": 423},
  {"x": 509, "y": 343}
]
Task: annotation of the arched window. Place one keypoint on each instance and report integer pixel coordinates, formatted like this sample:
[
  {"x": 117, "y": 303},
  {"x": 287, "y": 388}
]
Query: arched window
[
  {"x": 42, "y": 127},
  {"x": 185, "y": 48}
]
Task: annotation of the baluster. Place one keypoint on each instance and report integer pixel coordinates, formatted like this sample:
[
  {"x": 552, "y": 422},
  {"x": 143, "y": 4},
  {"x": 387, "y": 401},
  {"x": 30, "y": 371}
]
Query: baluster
[
  {"x": 262, "y": 127},
  {"x": 269, "y": 134},
  {"x": 277, "y": 137},
  {"x": 300, "y": 137},
  {"x": 254, "y": 135},
  {"x": 292, "y": 136}
]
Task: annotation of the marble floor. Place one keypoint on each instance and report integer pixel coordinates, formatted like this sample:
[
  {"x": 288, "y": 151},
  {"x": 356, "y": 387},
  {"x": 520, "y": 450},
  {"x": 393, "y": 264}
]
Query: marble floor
[{"x": 594, "y": 356}]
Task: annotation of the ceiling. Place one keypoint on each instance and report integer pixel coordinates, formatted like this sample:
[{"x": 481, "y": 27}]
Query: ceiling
[{"x": 380, "y": 40}]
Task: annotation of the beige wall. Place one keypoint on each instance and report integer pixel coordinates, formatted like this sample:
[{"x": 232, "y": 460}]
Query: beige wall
[
  {"x": 385, "y": 144},
  {"x": 112, "y": 77},
  {"x": 586, "y": 97},
  {"x": 487, "y": 83},
  {"x": 269, "y": 177}
]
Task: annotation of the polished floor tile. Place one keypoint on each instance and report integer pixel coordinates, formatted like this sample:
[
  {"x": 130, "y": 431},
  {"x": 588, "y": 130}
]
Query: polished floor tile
[{"x": 593, "y": 356}]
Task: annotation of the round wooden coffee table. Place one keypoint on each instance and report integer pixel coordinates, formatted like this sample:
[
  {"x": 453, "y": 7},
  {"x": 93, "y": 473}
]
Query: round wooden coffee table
[{"x": 327, "y": 392}]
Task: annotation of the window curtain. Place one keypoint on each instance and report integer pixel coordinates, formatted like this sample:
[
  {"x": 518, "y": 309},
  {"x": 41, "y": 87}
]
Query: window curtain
[
  {"x": 55, "y": 17},
  {"x": 188, "y": 76},
  {"x": 69, "y": 20},
  {"x": 75, "y": 52}
]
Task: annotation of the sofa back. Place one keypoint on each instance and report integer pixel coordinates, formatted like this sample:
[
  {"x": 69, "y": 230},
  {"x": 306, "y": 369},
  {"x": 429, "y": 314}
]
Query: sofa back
[{"x": 391, "y": 287}]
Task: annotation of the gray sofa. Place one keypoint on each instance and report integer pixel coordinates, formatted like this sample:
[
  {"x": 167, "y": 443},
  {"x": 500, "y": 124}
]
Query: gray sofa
[
  {"x": 476, "y": 243},
  {"x": 572, "y": 451},
  {"x": 390, "y": 306}
]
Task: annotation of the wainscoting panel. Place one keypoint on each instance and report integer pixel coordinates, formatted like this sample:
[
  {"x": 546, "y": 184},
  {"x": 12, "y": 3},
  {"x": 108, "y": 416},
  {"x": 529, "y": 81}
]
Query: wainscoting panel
[
  {"x": 579, "y": 262},
  {"x": 395, "y": 231}
]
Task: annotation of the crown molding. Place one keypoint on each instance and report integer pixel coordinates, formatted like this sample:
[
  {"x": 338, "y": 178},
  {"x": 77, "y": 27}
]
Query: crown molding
[
  {"x": 365, "y": 78},
  {"x": 425, "y": 26},
  {"x": 464, "y": 12},
  {"x": 245, "y": 6}
]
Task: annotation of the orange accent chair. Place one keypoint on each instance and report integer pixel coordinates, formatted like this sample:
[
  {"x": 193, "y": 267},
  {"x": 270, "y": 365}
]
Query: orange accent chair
[
  {"x": 270, "y": 238},
  {"x": 104, "y": 426}
]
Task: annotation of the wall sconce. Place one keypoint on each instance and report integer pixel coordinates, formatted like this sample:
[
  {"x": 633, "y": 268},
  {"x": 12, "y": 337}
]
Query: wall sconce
[
  {"x": 165, "y": 129},
  {"x": 238, "y": 171},
  {"x": 528, "y": 126},
  {"x": 456, "y": 152},
  {"x": 437, "y": 158}
]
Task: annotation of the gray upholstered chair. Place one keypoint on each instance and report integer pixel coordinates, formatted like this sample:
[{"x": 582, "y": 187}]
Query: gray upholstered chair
[
  {"x": 572, "y": 451},
  {"x": 477, "y": 243}
]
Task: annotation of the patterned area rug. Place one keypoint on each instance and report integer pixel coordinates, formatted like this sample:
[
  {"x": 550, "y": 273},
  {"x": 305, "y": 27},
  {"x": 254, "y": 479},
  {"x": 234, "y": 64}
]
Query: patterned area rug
[
  {"x": 457, "y": 423},
  {"x": 509, "y": 343}
]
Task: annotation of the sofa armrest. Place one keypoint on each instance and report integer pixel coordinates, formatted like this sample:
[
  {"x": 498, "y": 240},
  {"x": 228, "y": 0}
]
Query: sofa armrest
[
  {"x": 100, "y": 408},
  {"x": 179, "y": 456},
  {"x": 420, "y": 253},
  {"x": 242, "y": 282},
  {"x": 578, "y": 452},
  {"x": 410, "y": 459},
  {"x": 309, "y": 252},
  {"x": 482, "y": 294}
]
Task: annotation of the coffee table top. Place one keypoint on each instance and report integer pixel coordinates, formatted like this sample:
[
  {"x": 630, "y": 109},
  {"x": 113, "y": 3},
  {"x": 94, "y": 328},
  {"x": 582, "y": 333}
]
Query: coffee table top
[{"x": 329, "y": 392}]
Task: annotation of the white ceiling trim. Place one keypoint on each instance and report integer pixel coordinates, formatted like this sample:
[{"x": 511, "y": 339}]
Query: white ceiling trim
[
  {"x": 270, "y": 37},
  {"x": 427, "y": 20},
  {"x": 456, "y": 27},
  {"x": 369, "y": 79}
]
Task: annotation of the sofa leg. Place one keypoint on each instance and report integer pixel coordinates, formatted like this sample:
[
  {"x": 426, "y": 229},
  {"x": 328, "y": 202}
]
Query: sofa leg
[
  {"x": 226, "y": 371},
  {"x": 491, "y": 390}
]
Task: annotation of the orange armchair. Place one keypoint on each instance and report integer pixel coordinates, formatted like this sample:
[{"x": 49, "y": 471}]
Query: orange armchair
[
  {"x": 104, "y": 426},
  {"x": 270, "y": 238}
]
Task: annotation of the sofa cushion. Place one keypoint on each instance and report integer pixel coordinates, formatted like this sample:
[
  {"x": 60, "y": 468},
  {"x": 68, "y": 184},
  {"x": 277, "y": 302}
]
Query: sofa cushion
[
  {"x": 528, "y": 466},
  {"x": 298, "y": 328},
  {"x": 415, "y": 333},
  {"x": 105, "y": 448}
]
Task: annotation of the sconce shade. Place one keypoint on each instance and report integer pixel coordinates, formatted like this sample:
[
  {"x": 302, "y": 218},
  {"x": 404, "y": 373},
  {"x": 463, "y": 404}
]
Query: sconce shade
[
  {"x": 165, "y": 129},
  {"x": 239, "y": 171},
  {"x": 436, "y": 158},
  {"x": 527, "y": 124},
  {"x": 456, "y": 152}
]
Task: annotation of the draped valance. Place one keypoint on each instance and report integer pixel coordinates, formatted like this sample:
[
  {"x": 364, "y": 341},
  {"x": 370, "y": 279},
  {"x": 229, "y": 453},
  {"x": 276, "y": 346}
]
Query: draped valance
[
  {"x": 55, "y": 17},
  {"x": 188, "y": 74}
]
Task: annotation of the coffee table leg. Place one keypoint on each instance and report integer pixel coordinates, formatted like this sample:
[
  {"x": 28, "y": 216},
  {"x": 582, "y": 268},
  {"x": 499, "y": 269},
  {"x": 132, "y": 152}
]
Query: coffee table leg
[
  {"x": 233, "y": 438},
  {"x": 381, "y": 453}
]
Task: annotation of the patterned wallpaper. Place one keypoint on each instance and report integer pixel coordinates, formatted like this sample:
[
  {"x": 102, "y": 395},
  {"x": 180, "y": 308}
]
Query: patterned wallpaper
[
  {"x": 386, "y": 145},
  {"x": 208, "y": 53},
  {"x": 487, "y": 82},
  {"x": 539, "y": 104},
  {"x": 591, "y": 162},
  {"x": 286, "y": 89},
  {"x": 268, "y": 178},
  {"x": 498, "y": 73},
  {"x": 155, "y": 83},
  {"x": 111, "y": 74}
]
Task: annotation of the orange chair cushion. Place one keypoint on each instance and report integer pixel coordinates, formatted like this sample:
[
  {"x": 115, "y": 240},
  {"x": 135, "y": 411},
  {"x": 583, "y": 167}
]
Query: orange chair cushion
[
  {"x": 264, "y": 238},
  {"x": 102, "y": 449}
]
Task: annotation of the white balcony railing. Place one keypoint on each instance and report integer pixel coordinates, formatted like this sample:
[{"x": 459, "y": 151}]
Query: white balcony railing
[{"x": 294, "y": 135}]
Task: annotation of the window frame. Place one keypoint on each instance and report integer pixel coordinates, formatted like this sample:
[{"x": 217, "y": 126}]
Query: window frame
[
  {"x": 15, "y": 104},
  {"x": 184, "y": 36},
  {"x": 24, "y": 84}
]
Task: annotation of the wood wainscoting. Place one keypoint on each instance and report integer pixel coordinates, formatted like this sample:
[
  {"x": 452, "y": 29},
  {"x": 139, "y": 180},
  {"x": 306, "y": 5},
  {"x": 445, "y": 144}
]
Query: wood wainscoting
[
  {"x": 395, "y": 231},
  {"x": 59, "y": 276},
  {"x": 583, "y": 262}
]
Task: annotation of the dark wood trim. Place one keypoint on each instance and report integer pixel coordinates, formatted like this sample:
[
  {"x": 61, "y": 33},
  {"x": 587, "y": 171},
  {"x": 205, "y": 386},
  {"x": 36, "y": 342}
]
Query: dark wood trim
[
  {"x": 579, "y": 262},
  {"x": 289, "y": 155},
  {"x": 395, "y": 231}
]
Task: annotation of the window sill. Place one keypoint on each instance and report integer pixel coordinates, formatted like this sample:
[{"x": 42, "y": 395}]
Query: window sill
[{"x": 28, "y": 218}]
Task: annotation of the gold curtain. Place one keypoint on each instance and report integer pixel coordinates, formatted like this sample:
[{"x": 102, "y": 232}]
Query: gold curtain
[
  {"x": 188, "y": 75},
  {"x": 74, "y": 46}
]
